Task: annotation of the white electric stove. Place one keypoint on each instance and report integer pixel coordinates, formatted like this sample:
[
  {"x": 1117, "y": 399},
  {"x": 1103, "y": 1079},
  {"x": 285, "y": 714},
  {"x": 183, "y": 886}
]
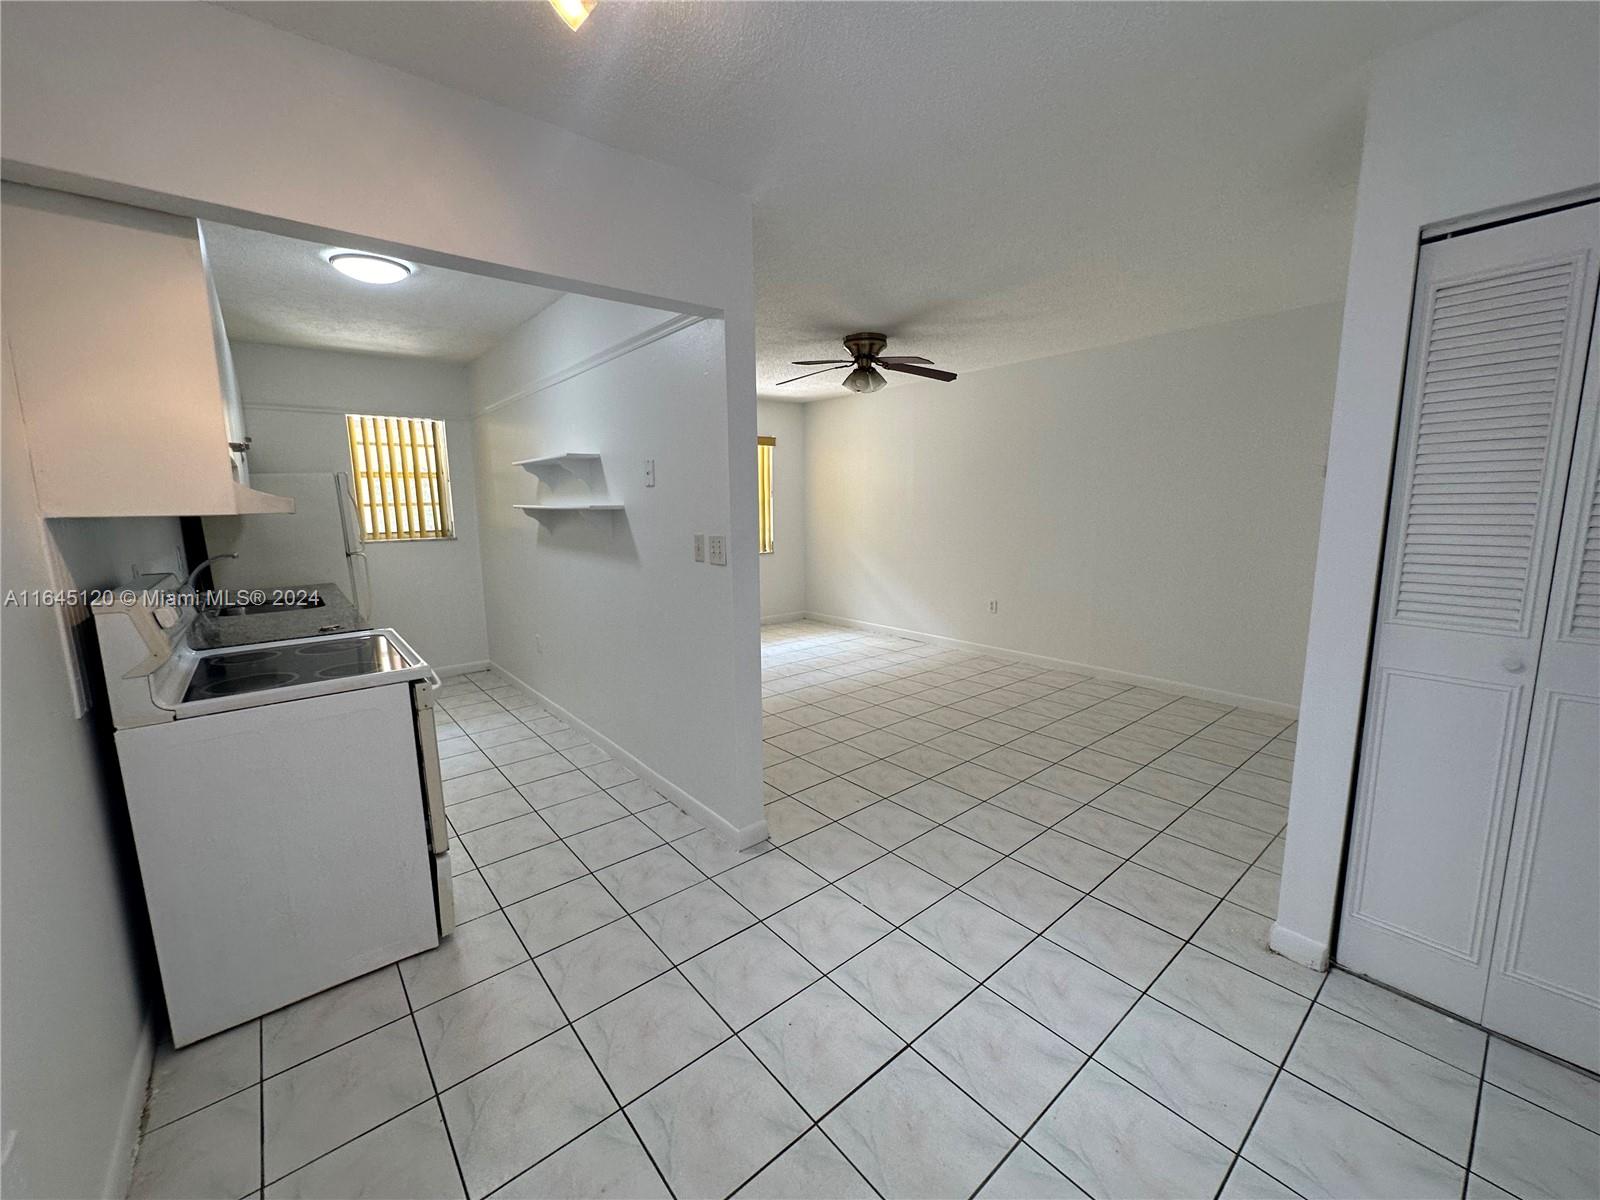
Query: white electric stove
[{"x": 286, "y": 807}]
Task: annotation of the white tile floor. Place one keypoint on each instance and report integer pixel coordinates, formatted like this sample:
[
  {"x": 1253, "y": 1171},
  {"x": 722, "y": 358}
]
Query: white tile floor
[{"x": 1010, "y": 942}]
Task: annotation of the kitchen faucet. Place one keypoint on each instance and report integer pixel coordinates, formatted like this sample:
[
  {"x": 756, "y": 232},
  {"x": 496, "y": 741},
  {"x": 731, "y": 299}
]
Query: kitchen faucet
[{"x": 189, "y": 582}]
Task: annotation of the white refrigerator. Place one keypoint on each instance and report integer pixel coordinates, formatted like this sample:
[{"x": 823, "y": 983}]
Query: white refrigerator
[{"x": 320, "y": 542}]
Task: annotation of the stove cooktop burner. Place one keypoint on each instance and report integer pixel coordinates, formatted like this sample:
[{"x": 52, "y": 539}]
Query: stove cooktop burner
[
  {"x": 242, "y": 671},
  {"x": 321, "y": 649},
  {"x": 341, "y": 671},
  {"x": 235, "y": 684},
  {"x": 245, "y": 657}
]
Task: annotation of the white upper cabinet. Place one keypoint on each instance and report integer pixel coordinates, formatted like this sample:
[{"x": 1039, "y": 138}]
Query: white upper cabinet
[{"x": 121, "y": 366}]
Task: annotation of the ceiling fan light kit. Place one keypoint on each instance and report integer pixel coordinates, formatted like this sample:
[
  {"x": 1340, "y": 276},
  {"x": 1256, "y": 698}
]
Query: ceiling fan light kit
[
  {"x": 864, "y": 379},
  {"x": 866, "y": 356}
]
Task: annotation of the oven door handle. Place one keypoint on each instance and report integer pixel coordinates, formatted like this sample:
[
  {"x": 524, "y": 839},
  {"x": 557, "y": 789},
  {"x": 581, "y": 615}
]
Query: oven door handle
[{"x": 428, "y": 762}]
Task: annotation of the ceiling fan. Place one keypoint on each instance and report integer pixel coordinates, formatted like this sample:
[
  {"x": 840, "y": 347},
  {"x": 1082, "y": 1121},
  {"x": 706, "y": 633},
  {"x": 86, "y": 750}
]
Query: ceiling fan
[{"x": 866, "y": 355}]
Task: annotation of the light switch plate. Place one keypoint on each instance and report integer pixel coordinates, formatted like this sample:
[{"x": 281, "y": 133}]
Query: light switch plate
[
  {"x": 649, "y": 472},
  {"x": 719, "y": 550},
  {"x": 699, "y": 547}
]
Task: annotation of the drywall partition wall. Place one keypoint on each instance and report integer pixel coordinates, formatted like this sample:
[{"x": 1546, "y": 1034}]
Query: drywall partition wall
[
  {"x": 72, "y": 1014},
  {"x": 295, "y": 400},
  {"x": 200, "y": 111},
  {"x": 207, "y": 110},
  {"x": 1148, "y": 509},
  {"x": 606, "y": 616},
  {"x": 1496, "y": 110},
  {"x": 576, "y": 334},
  {"x": 783, "y": 572}
]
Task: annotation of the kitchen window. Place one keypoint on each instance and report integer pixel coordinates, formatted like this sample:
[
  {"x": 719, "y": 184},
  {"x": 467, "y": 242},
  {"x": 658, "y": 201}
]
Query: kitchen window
[
  {"x": 764, "y": 451},
  {"x": 401, "y": 469}
]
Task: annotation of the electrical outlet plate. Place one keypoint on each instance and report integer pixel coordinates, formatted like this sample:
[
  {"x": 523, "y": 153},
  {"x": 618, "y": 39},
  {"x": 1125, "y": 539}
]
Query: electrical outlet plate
[
  {"x": 994, "y": 606},
  {"x": 699, "y": 547},
  {"x": 719, "y": 550}
]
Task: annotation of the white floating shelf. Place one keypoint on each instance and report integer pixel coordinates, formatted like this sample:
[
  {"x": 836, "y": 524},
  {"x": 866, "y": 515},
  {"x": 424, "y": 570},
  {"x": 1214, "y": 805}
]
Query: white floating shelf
[
  {"x": 534, "y": 510},
  {"x": 572, "y": 465},
  {"x": 555, "y": 460}
]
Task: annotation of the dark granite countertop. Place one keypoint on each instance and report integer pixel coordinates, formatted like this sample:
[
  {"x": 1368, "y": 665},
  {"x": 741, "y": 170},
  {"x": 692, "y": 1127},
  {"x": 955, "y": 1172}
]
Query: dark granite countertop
[{"x": 334, "y": 615}]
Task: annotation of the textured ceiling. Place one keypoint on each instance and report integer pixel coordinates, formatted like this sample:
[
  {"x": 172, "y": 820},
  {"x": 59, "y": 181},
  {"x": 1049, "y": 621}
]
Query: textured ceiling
[
  {"x": 280, "y": 290},
  {"x": 985, "y": 182}
]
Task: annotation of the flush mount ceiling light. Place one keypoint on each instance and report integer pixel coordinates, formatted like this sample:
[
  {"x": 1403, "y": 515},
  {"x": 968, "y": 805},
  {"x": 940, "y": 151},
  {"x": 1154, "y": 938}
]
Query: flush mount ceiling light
[
  {"x": 368, "y": 268},
  {"x": 573, "y": 12}
]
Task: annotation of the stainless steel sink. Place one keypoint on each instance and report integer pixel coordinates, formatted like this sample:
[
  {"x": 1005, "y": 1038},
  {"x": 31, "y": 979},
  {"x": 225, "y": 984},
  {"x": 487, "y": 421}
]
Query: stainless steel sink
[{"x": 251, "y": 610}]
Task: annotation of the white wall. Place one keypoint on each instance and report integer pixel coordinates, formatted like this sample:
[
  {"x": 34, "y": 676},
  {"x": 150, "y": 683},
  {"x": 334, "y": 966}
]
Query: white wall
[
  {"x": 195, "y": 110},
  {"x": 607, "y": 615},
  {"x": 198, "y": 108},
  {"x": 1496, "y": 110},
  {"x": 783, "y": 572},
  {"x": 294, "y": 402},
  {"x": 1149, "y": 508},
  {"x": 73, "y": 1016}
]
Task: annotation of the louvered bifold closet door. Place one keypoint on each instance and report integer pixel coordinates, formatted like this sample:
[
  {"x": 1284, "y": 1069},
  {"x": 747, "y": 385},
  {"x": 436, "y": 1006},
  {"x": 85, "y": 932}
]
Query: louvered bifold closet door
[
  {"x": 1584, "y": 619},
  {"x": 1544, "y": 984},
  {"x": 1495, "y": 349},
  {"x": 1499, "y": 336}
]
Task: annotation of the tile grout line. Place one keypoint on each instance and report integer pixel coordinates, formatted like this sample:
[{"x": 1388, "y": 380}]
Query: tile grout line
[
  {"x": 1091, "y": 1057},
  {"x": 676, "y": 968},
  {"x": 261, "y": 1103},
  {"x": 569, "y": 1022},
  {"x": 898, "y": 927},
  {"x": 1477, "y": 1112},
  {"x": 1267, "y": 1095},
  {"x": 1037, "y": 936},
  {"x": 734, "y": 1034},
  {"x": 1040, "y": 933},
  {"x": 827, "y": 882},
  {"x": 894, "y": 927},
  {"x": 673, "y": 968},
  {"x": 577, "y": 1037},
  {"x": 433, "y": 1083},
  {"x": 438, "y": 1096}
]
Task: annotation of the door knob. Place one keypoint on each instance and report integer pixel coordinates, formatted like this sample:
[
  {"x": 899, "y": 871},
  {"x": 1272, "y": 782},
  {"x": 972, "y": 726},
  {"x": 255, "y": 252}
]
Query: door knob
[{"x": 1514, "y": 664}]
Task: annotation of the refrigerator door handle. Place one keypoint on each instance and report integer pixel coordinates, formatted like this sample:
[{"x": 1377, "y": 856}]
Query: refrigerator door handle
[
  {"x": 354, "y": 544},
  {"x": 349, "y": 518}
]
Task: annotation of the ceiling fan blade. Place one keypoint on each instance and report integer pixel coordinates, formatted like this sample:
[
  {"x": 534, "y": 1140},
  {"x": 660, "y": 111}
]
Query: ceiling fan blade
[
  {"x": 906, "y": 358},
  {"x": 925, "y": 372},
  {"x": 809, "y": 374},
  {"x": 817, "y": 362}
]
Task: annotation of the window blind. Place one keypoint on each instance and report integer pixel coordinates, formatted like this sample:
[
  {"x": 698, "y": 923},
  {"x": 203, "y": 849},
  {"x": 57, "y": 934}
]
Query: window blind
[
  {"x": 401, "y": 470},
  {"x": 764, "y": 448}
]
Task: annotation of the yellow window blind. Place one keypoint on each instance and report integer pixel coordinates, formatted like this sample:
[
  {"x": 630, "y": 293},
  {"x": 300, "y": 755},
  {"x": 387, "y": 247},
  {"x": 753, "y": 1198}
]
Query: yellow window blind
[
  {"x": 764, "y": 448},
  {"x": 402, "y": 477}
]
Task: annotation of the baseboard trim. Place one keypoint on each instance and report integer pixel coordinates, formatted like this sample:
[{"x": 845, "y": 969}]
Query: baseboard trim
[
  {"x": 1232, "y": 699},
  {"x": 784, "y": 618},
  {"x": 463, "y": 668},
  {"x": 1298, "y": 948},
  {"x": 742, "y": 838},
  {"x": 119, "y": 1167}
]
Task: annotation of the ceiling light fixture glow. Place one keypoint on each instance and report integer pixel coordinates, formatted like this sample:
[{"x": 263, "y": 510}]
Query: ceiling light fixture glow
[
  {"x": 369, "y": 268},
  {"x": 573, "y": 12}
]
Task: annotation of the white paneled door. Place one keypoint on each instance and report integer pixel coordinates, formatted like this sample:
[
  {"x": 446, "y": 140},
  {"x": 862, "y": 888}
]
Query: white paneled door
[
  {"x": 1544, "y": 978},
  {"x": 1475, "y": 844}
]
